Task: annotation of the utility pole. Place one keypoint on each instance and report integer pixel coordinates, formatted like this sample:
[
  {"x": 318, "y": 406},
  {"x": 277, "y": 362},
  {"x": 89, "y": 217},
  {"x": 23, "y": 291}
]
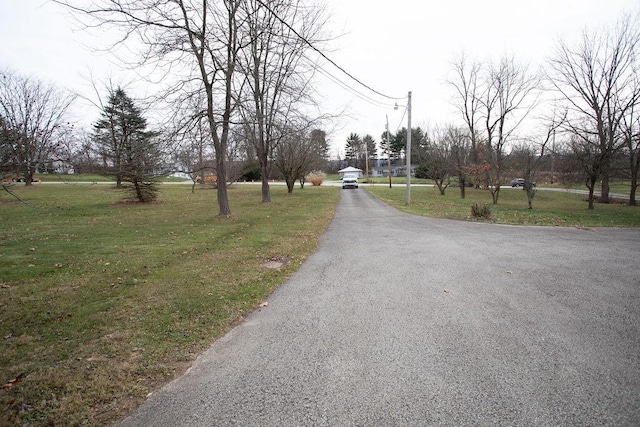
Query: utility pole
[
  {"x": 553, "y": 156},
  {"x": 408, "y": 149},
  {"x": 388, "y": 151},
  {"x": 366, "y": 161}
]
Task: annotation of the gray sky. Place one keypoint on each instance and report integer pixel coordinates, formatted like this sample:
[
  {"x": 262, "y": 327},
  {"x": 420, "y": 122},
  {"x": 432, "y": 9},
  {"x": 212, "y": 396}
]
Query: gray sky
[{"x": 394, "y": 47}]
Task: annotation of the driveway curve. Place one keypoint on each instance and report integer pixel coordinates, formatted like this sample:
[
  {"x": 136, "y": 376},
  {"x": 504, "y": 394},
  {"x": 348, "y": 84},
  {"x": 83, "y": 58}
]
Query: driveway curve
[{"x": 400, "y": 320}]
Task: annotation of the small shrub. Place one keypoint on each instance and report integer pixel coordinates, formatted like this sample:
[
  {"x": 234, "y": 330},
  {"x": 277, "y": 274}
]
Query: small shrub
[
  {"x": 480, "y": 211},
  {"x": 316, "y": 177}
]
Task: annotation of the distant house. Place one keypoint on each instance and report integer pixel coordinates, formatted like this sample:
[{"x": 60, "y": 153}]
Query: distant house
[
  {"x": 395, "y": 171},
  {"x": 350, "y": 170}
]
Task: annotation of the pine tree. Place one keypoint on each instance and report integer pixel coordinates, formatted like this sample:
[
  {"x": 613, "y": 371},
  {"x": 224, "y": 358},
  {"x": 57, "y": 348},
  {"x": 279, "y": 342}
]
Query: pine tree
[{"x": 128, "y": 151}]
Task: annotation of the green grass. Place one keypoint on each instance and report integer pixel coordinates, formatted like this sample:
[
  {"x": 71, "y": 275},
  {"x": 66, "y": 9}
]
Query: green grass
[
  {"x": 382, "y": 180},
  {"x": 86, "y": 177},
  {"x": 102, "y": 302},
  {"x": 549, "y": 207}
]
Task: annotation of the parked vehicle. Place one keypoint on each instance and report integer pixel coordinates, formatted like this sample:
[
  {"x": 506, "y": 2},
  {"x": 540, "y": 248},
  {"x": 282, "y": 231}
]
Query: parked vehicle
[
  {"x": 350, "y": 181},
  {"x": 22, "y": 179},
  {"x": 519, "y": 182}
]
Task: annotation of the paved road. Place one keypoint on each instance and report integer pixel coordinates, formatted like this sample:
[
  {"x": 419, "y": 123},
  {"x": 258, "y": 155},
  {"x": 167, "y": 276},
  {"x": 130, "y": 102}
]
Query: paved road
[{"x": 406, "y": 321}]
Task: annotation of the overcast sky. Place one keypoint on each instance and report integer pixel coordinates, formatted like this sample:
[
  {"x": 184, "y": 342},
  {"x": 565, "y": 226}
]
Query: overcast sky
[{"x": 394, "y": 47}]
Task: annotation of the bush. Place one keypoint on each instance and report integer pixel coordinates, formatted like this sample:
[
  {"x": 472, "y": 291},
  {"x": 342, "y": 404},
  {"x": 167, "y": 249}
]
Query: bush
[
  {"x": 252, "y": 172},
  {"x": 316, "y": 177},
  {"x": 480, "y": 211}
]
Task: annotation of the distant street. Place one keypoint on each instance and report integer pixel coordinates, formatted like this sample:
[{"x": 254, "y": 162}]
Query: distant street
[{"x": 400, "y": 320}]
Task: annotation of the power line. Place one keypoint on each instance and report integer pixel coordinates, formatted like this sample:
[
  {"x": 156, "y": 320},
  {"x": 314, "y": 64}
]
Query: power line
[
  {"x": 349, "y": 88},
  {"x": 401, "y": 120},
  {"x": 325, "y": 56}
]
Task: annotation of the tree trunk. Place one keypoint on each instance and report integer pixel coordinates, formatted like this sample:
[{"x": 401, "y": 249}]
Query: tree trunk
[
  {"x": 530, "y": 193},
  {"x": 634, "y": 167},
  {"x": 591, "y": 185},
  {"x": 495, "y": 192},
  {"x": 463, "y": 188},
  {"x": 290, "y": 184},
  {"x": 632, "y": 192},
  {"x": 266, "y": 190},
  {"x": 223, "y": 200},
  {"x": 28, "y": 176},
  {"x": 139, "y": 195},
  {"x": 604, "y": 187}
]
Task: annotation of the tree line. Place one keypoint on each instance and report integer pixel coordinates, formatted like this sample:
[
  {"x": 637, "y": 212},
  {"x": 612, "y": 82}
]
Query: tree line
[
  {"x": 236, "y": 90},
  {"x": 585, "y": 103}
]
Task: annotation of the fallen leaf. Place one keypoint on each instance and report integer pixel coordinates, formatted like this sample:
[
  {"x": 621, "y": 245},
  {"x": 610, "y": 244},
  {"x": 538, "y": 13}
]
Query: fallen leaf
[
  {"x": 264, "y": 304},
  {"x": 446, "y": 290},
  {"x": 509, "y": 272},
  {"x": 14, "y": 381},
  {"x": 5, "y": 286}
]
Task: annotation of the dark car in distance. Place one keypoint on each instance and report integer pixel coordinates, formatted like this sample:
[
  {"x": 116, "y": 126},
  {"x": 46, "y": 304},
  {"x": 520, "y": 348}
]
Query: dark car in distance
[{"x": 519, "y": 182}]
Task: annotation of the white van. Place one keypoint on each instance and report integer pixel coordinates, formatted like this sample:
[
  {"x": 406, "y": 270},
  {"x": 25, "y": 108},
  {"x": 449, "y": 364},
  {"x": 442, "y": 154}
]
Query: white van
[{"x": 350, "y": 181}]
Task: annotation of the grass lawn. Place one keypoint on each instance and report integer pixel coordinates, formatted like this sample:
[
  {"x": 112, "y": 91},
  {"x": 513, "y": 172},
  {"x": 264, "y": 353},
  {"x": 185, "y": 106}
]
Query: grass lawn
[
  {"x": 103, "y": 302},
  {"x": 85, "y": 177},
  {"x": 549, "y": 207}
]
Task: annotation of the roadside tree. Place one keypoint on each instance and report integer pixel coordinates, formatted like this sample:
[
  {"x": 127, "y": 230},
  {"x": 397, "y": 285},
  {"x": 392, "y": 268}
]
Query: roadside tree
[
  {"x": 494, "y": 100},
  {"x": 275, "y": 76},
  {"x": 507, "y": 99}
]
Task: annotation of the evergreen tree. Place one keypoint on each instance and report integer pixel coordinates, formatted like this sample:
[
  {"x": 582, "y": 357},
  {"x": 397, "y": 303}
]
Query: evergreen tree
[
  {"x": 129, "y": 152},
  {"x": 354, "y": 148}
]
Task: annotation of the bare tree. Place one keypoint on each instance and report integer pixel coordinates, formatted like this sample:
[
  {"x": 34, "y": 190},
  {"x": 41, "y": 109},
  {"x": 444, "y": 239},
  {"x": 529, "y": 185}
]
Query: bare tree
[
  {"x": 195, "y": 43},
  {"x": 467, "y": 88},
  {"x": 631, "y": 132},
  {"x": 529, "y": 156},
  {"x": 507, "y": 100},
  {"x": 275, "y": 75},
  {"x": 493, "y": 99},
  {"x": 461, "y": 155},
  {"x": 298, "y": 154},
  {"x": 436, "y": 163},
  {"x": 192, "y": 151},
  {"x": 32, "y": 122},
  {"x": 597, "y": 78}
]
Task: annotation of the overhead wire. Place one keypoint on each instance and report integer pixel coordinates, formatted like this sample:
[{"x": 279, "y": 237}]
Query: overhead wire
[
  {"x": 404, "y": 113},
  {"x": 351, "y": 89},
  {"x": 323, "y": 55}
]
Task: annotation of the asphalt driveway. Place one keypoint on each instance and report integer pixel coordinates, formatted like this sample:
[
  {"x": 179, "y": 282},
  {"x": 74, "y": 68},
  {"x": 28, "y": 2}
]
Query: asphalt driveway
[{"x": 410, "y": 321}]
